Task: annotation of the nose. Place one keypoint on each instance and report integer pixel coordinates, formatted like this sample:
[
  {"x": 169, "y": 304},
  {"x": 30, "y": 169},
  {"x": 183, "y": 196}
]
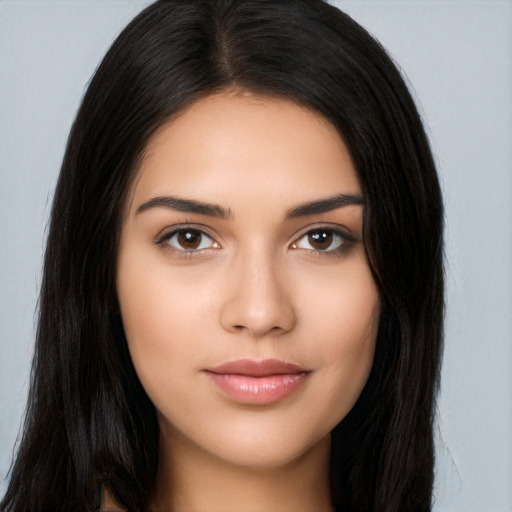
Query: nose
[{"x": 257, "y": 298}]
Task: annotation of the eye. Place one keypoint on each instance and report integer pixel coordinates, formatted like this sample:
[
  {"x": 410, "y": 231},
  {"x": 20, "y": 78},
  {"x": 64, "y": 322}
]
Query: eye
[
  {"x": 188, "y": 239},
  {"x": 324, "y": 240}
]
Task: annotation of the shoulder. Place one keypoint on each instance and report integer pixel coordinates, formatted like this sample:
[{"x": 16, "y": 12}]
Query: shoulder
[{"x": 108, "y": 500}]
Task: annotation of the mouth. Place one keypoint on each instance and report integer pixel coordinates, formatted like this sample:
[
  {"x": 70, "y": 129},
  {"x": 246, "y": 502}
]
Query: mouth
[{"x": 257, "y": 382}]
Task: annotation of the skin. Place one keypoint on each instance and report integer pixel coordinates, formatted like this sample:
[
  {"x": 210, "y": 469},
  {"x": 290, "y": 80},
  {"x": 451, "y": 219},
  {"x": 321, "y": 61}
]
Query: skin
[{"x": 254, "y": 286}]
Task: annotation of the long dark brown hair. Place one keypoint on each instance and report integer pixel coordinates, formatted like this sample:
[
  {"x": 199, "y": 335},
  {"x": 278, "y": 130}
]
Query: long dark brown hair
[{"x": 88, "y": 420}]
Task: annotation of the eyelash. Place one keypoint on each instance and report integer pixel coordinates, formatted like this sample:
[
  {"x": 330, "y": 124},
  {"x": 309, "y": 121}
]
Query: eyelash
[
  {"x": 345, "y": 242},
  {"x": 164, "y": 240}
]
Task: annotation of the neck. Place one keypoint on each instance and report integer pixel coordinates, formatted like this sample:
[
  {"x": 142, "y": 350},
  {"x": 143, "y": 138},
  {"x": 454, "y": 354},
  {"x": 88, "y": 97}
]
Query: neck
[{"x": 192, "y": 481}]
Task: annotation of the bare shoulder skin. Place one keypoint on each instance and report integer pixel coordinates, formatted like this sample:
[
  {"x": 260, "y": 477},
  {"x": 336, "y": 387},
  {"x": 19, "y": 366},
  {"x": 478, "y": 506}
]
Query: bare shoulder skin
[{"x": 109, "y": 502}]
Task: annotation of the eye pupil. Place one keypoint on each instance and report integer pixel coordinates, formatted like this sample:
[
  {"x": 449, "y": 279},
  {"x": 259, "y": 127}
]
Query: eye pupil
[
  {"x": 320, "y": 239},
  {"x": 189, "y": 239}
]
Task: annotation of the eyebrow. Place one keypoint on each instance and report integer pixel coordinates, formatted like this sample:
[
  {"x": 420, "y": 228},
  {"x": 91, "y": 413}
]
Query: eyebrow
[
  {"x": 325, "y": 205},
  {"x": 215, "y": 210},
  {"x": 185, "y": 205}
]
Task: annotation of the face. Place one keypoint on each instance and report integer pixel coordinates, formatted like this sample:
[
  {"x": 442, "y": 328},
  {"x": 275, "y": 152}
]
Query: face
[{"x": 247, "y": 301}]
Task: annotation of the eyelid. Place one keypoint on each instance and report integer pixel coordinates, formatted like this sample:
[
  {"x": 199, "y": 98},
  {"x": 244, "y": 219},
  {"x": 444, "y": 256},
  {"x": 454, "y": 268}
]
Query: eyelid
[
  {"x": 348, "y": 239},
  {"x": 328, "y": 226},
  {"x": 170, "y": 231},
  {"x": 341, "y": 231}
]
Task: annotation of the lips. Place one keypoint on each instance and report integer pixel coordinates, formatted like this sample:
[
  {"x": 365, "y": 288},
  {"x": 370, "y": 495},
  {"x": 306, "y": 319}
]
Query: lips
[{"x": 257, "y": 382}]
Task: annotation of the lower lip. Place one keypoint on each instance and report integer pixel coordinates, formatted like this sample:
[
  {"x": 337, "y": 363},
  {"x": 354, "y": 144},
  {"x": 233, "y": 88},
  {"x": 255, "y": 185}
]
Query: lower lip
[{"x": 257, "y": 390}]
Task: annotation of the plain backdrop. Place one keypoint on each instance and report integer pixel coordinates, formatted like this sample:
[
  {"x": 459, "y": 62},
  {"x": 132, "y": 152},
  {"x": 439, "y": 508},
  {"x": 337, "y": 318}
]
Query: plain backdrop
[{"x": 457, "y": 56}]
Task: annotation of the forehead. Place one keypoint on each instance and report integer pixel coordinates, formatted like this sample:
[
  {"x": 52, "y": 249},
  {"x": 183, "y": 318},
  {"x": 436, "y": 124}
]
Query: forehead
[{"x": 227, "y": 145}]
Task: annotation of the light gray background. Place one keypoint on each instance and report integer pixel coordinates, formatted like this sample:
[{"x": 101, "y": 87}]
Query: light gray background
[{"x": 458, "y": 56}]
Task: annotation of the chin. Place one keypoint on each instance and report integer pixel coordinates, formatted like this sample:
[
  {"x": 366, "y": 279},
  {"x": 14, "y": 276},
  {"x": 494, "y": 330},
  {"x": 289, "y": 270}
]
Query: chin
[
  {"x": 267, "y": 456},
  {"x": 266, "y": 447}
]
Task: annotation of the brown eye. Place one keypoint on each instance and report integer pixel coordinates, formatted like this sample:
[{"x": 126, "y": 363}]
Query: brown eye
[
  {"x": 320, "y": 240},
  {"x": 329, "y": 241},
  {"x": 189, "y": 239}
]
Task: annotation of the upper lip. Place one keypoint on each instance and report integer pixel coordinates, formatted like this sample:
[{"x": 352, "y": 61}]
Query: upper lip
[{"x": 257, "y": 368}]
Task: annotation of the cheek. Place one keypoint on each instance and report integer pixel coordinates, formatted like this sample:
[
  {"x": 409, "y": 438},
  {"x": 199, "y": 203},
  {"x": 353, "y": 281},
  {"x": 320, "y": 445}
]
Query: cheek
[
  {"x": 343, "y": 305},
  {"x": 344, "y": 322},
  {"x": 354, "y": 323},
  {"x": 158, "y": 319}
]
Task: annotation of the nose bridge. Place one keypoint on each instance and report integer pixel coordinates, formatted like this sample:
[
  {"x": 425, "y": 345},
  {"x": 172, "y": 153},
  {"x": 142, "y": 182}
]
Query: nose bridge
[{"x": 258, "y": 301}]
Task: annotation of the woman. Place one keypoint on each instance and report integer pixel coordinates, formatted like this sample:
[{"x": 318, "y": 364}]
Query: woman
[{"x": 243, "y": 292}]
